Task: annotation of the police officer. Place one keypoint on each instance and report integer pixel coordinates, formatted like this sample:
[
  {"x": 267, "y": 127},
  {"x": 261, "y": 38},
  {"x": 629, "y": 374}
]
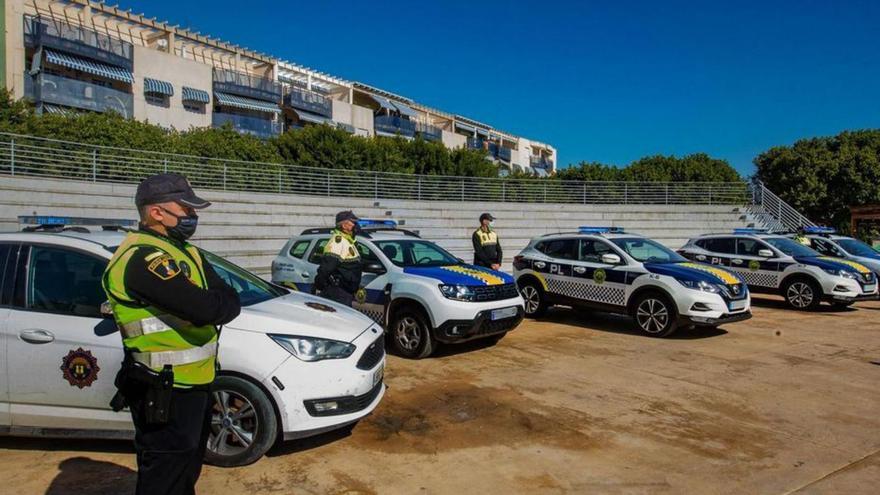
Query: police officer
[
  {"x": 339, "y": 275},
  {"x": 487, "y": 249},
  {"x": 801, "y": 237},
  {"x": 167, "y": 302}
]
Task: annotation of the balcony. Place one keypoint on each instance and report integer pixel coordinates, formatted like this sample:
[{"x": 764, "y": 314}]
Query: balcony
[
  {"x": 238, "y": 83},
  {"x": 394, "y": 125},
  {"x": 245, "y": 124},
  {"x": 77, "y": 41},
  {"x": 475, "y": 143},
  {"x": 49, "y": 88},
  {"x": 541, "y": 162},
  {"x": 504, "y": 154},
  {"x": 429, "y": 132},
  {"x": 310, "y": 102}
]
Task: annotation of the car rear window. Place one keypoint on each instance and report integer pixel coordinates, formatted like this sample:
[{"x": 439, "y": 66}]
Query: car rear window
[
  {"x": 724, "y": 245},
  {"x": 299, "y": 248}
]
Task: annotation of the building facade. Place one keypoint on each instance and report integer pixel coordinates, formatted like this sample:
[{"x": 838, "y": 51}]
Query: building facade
[{"x": 77, "y": 55}]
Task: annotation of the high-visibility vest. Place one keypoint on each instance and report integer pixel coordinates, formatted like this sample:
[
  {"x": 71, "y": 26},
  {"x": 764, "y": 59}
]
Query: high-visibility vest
[
  {"x": 153, "y": 337},
  {"x": 343, "y": 246}
]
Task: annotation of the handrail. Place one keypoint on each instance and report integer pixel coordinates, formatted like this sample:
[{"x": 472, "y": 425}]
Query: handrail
[{"x": 784, "y": 213}]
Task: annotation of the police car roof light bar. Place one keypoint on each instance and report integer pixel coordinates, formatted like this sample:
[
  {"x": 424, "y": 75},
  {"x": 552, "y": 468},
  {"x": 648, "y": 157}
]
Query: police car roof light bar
[
  {"x": 366, "y": 223},
  {"x": 817, "y": 229},
  {"x": 586, "y": 229},
  {"x": 749, "y": 231},
  {"x": 47, "y": 222}
]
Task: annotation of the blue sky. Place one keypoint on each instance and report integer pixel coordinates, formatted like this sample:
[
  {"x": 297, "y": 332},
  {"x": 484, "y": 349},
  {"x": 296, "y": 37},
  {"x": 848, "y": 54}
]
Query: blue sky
[{"x": 602, "y": 81}]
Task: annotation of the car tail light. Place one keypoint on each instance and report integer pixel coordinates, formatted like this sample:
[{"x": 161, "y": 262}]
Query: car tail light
[{"x": 518, "y": 258}]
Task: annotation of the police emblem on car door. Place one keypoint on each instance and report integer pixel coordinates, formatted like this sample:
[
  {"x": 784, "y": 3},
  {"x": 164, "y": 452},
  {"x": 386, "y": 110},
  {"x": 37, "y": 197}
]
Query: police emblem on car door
[{"x": 756, "y": 270}]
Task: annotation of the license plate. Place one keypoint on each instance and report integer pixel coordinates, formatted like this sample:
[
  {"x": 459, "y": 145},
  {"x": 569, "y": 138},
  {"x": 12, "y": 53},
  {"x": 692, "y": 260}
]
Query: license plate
[
  {"x": 870, "y": 288},
  {"x": 378, "y": 375},
  {"x": 500, "y": 314},
  {"x": 737, "y": 305}
]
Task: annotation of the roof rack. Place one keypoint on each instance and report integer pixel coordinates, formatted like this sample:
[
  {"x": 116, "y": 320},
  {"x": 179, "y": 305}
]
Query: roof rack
[
  {"x": 38, "y": 223},
  {"x": 363, "y": 232}
]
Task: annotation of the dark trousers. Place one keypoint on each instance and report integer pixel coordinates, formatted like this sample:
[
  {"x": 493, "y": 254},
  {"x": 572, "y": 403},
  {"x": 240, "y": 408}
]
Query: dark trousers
[
  {"x": 169, "y": 456},
  {"x": 337, "y": 294}
]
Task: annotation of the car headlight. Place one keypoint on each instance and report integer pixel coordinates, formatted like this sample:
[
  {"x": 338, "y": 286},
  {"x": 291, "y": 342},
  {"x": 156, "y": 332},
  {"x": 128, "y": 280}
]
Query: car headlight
[
  {"x": 457, "y": 292},
  {"x": 313, "y": 349},
  {"x": 700, "y": 285},
  {"x": 841, "y": 273}
]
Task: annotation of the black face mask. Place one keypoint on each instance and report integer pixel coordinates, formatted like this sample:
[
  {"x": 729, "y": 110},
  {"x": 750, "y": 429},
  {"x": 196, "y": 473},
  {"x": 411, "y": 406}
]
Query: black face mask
[{"x": 185, "y": 228}]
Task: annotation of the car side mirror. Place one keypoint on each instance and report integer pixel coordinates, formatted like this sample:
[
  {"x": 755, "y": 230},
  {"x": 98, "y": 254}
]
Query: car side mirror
[
  {"x": 765, "y": 253},
  {"x": 106, "y": 310},
  {"x": 610, "y": 259},
  {"x": 375, "y": 268}
]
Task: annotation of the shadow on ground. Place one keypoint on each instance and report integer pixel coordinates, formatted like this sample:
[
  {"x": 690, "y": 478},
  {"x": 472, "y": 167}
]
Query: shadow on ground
[
  {"x": 613, "y": 323},
  {"x": 764, "y": 302},
  {"x": 83, "y": 475}
]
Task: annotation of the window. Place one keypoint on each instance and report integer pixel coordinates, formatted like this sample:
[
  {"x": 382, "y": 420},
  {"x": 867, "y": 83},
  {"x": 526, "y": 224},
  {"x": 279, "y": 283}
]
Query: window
[
  {"x": 749, "y": 247},
  {"x": 157, "y": 99},
  {"x": 592, "y": 250},
  {"x": 412, "y": 253},
  {"x": 724, "y": 245},
  {"x": 194, "y": 107},
  {"x": 647, "y": 251},
  {"x": 790, "y": 247},
  {"x": 6, "y": 272},
  {"x": 318, "y": 251},
  {"x": 65, "y": 281},
  {"x": 565, "y": 249},
  {"x": 251, "y": 288},
  {"x": 857, "y": 248},
  {"x": 366, "y": 253},
  {"x": 299, "y": 248},
  {"x": 825, "y": 247}
]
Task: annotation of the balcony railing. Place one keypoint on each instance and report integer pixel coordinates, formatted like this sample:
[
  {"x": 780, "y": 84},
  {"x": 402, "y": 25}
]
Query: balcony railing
[
  {"x": 260, "y": 88},
  {"x": 310, "y": 102},
  {"x": 504, "y": 154},
  {"x": 246, "y": 124},
  {"x": 541, "y": 162},
  {"x": 78, "y": 41},
  {"x": 49, "y": 88},
  {"x": 429, "y": 132},
  {"x": 475, "y": 144},
  {"x": 394, "y": 125}
]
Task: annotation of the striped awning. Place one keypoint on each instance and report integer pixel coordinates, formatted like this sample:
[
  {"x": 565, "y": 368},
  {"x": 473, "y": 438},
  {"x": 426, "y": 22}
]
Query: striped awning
[
  {"x": 56, "y": 110},
  {"x": 383, "y": 102},
  {"x": 405, "y": 110},
  {"x": 465, "y": 127},
  {"x": 197, "y": 95},
  {"x": 236, "y": 101},
  {"x": 85, "y": 65},
  {"x": 312, "y": 118},
  {"x": 158, "y": 87}
]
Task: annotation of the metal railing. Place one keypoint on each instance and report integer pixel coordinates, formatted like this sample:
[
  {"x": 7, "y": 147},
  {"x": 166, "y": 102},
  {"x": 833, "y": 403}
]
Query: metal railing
[
  {"x": 391, "y": 124},
  {"x": 49, "y": 88},
  {"x": 540, "y": 162},
  {"x": 263, "y": 128},
  {"x": 261, "y": 88},
  {"x": 429, "y": 132},
  {"x": 41, "y": 157},
  {"x": 310, "y": 102},
  {"x": 54, "y": 33},
  {"x": 784, "y": 216}
]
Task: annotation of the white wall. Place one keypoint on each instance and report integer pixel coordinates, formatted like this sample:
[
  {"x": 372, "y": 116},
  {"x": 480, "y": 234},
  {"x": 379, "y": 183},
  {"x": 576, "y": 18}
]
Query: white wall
[
  {"x": 179, "y": 72},
  {"x": 453, "y": 140}
]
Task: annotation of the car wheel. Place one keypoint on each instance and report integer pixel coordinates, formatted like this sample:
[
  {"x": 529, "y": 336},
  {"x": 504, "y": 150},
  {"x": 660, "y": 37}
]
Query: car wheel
[
  {"x": 411, "y": 335},
  {"x": 533, "y": 297},
  {"x": 655, "y": 315},
  {"x": 802, "y": 294},
  {"x": 243, "y": 423}
]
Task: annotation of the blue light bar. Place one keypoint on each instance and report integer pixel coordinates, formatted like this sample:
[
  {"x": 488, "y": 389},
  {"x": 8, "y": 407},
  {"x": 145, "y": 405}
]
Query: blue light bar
[
  {"x": 749, "y": 231},
  {"x": 57, "y": 220},
  {"x": 586, "y": 229},
  {"x": 817, "y": 229},
  {"x": 366, "y": 223}
]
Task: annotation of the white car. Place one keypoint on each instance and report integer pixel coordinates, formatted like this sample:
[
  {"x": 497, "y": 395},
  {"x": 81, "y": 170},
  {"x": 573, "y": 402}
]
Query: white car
[
  {"x": 292, "y": 365},
  {"x": 827, "y": 242},
  {"x": 777, "y": 264},
  {"x": 423, "y": 294},
  {"x": 609, "y": 270}
]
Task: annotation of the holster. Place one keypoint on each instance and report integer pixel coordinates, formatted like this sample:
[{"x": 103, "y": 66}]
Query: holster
[{"x": 136, "y": 382}]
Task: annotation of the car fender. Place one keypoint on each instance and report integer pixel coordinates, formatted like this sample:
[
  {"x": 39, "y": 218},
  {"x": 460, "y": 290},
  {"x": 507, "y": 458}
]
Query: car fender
[{"x": 422, "y": 290}]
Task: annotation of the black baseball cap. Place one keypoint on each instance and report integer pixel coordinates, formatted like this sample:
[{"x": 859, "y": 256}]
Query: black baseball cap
[
  {"x": 346, "y": 215},
  {"x": 486, "y": 216},
  {"x": 162, "y": 188}
]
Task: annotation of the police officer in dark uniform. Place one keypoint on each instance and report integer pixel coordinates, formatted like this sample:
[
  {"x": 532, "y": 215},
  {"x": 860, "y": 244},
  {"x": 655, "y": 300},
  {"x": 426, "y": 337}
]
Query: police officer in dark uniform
[
  {"x": 339, "y": 275},
  {"x": 487, "y": 249},
  {"x": 168, "y": 303}
]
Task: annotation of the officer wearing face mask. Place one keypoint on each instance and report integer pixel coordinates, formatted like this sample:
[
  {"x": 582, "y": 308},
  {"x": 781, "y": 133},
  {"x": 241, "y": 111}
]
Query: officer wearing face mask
[
  {"x": 487, "y": 248},
  {"x": 168, "y": 304}
]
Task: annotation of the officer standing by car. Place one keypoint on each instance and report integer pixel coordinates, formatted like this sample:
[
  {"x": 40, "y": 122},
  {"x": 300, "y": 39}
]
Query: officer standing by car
[
  {"x": 167, "y": 302},
  {"x": 487, "y": 249},
  {"x": 339, "y": 275}
]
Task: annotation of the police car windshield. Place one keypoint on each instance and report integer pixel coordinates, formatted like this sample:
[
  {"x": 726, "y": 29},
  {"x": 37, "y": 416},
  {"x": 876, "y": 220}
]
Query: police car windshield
[
  {"x": 413, "y": 253},
  {"x": 251, "y": 288},
  {"x": 647, "y": 251},
  {"x": 856, "y": 247},
  {"x": 790, "y": 247}
]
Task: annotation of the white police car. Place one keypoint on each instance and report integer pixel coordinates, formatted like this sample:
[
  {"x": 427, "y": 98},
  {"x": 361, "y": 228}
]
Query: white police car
[
  {"x": 607, "y": 269},
  {"x": 828, "y": 242},
  {"x": 423, "y": 294},
  {"x": 777, "y": 264},
  {"x": 292, "y": 365}
]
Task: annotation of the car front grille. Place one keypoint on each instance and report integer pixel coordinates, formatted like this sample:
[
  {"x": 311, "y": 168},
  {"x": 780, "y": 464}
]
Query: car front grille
[
  {"x": 374, "y": 353},
  {"x": 484, "y": 293},
  {"x": 734, "y": 292}
]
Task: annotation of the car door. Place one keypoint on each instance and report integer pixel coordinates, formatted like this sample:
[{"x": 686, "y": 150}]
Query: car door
[
  {"x": 599, "y": 282},
  {"x": 374, "y": 280},
  {"x": 7, "y": 251},
  {"x": 293, "y": 270},
  {"x": 756, "y": 270},
  {"x": 63, "y": 355},
  {"x": 721, "y": 251},
  {"x": 558, "y": 270}
]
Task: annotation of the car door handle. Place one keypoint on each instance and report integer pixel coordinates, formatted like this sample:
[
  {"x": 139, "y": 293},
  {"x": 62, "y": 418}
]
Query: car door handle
[
  {"x": 540, "y": 264},
  {"x": 305, "y": 275},
  {"x": 736, "y": 261},
  {"x": 37, "y": 336},
  {"x": 580, "y": 269},
  {"x": 701, "y": 257}
]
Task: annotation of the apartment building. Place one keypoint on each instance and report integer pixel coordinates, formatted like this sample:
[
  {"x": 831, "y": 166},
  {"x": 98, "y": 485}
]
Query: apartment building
[{"x": 77, "y": 55}]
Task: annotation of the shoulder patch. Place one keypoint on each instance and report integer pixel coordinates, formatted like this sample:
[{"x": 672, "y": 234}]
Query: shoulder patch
[
  {"x": 164, "y": 267},
  {"x": 338, "y": 239},
  {"x": 154, "y": 255}
]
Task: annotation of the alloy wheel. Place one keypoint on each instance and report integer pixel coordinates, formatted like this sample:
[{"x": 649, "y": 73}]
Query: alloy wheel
[
  {"x": 408, "y": 333},
  {"x": 652, "y": 315},
  {"x": 532, "y": 299},
  {"x": 800, "y": 294},
  {"x": 234, "y": 423}
]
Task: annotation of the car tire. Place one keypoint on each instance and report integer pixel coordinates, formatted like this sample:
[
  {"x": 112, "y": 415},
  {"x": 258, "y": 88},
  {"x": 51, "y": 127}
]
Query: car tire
[
  {"x": 410, "y": 334},
  {"x": 654, "y": 315},
  {"x": 533, "y": 296},
  {"x": 802, "y": 293},
  {"x": 240, "y": 411}
]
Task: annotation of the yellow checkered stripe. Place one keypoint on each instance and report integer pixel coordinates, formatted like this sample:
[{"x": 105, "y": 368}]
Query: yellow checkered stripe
[
  {"x": 858, "y": 266},
  {"x": 725, "y": 276},
  {"x": 486, "y": 278}
]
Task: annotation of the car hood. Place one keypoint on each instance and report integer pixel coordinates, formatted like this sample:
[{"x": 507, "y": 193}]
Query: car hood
[
  {"x": 305, "y": 315},
  {"x": 462, "y": 275},
  {"x": 872, "y": 263},
  {"x": 828, "y": 263},
  {"x": 694, "y": 272}
]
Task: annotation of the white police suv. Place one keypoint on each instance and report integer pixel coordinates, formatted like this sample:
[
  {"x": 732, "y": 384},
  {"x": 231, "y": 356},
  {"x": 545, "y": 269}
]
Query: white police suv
[
  {"x": 828, "y": 242},
  {"x": 607, "y": 269},
  {"x": 777, "y": 264},
  {"x": 423, "y": 294},
  {"x": 292, "y": 365}
]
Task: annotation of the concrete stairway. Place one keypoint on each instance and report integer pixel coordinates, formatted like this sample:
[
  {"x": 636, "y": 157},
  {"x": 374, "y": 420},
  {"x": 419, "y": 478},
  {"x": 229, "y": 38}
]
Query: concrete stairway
[{"x": 250, "y": 228}]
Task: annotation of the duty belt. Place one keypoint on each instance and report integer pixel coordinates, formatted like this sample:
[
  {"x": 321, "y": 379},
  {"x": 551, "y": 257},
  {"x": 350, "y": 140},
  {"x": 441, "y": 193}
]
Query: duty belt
[
  {"x": 175, "y": 358},
  {"x": 153, "y": 324}
]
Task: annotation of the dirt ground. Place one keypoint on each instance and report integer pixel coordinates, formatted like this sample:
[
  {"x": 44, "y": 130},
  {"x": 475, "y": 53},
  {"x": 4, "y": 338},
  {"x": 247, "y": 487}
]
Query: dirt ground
[{"x": 784, "y": 403}]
